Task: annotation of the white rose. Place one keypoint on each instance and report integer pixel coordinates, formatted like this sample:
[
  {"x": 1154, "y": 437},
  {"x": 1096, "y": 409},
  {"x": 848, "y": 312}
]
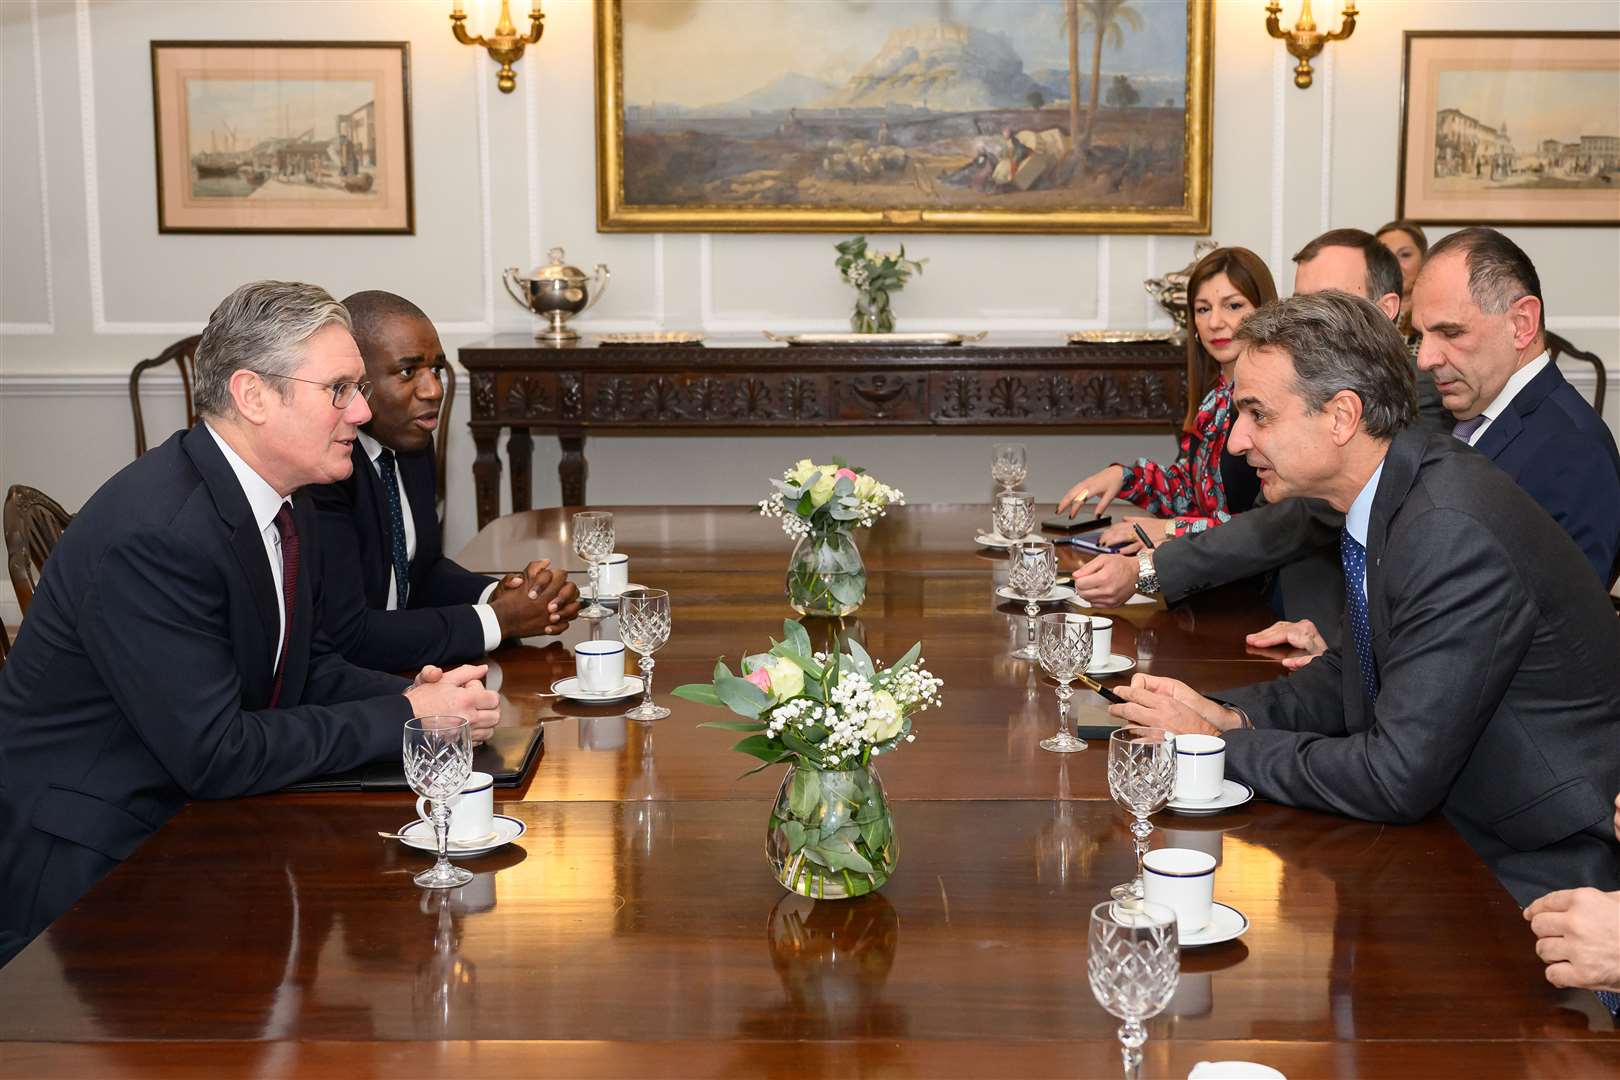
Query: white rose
[
  {"x": 866, "y": 486},
  {"x": 787, "y": 680},
  {"x": 801, "y": 471},
  {"x": 823, "y": 489},
  {"x": 883, "y": 718}
]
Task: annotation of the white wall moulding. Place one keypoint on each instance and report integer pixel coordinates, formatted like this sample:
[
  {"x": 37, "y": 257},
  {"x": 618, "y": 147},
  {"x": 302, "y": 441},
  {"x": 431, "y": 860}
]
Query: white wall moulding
[{"x": 49, "y": 325}]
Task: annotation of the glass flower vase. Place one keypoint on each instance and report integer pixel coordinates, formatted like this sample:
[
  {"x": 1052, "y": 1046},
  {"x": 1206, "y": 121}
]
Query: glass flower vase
[
  {"x": 872, "y": 314},
  {"x": 831, "y": 836},
  {"x": 825, "y": 575}
]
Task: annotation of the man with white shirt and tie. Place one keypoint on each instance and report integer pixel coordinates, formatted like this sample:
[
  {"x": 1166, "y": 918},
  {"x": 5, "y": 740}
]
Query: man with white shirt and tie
[
  {"x": 395, "y": 601},
  {"x": 173, "y": 649}
]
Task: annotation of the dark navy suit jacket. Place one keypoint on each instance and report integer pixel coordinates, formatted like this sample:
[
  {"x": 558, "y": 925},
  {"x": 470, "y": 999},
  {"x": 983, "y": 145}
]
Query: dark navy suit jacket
[
  {"x": 1561, "y": 452},
  {"x": 142, "y": 678},
  {"x": 438, "y": 624}
]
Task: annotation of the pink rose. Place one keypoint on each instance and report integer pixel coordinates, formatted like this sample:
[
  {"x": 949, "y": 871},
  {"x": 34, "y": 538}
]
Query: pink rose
[
  {"x": 841, "y": 473},
  {"x": 760, "y": 678}
]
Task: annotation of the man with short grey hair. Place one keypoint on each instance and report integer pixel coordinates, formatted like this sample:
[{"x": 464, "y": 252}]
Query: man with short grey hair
[
  {"x": 173, "y": 649},
  {"x": 1476, "y": 673}
]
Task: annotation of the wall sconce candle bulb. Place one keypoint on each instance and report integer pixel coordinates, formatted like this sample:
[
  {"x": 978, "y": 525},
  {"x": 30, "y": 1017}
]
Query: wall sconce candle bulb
[
  {"x": 1305, "y": 40},
  {"x": 505, "y": 45}
]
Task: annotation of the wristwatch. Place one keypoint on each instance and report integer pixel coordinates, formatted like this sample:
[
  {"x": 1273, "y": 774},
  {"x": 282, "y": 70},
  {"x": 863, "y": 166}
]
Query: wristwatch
[{"x": 1147, "y": 580}]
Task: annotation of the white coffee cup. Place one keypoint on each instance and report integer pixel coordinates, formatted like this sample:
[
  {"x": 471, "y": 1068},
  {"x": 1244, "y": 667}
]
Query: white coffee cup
[
  {"x": 615, "y": 574},
  {"x": 599, "y": 664},
  {"x": 472, "y": 811},
  {"x": 1200, "y": 767},
  {"x": 1102, "y": 640},
  {"x": 1234, "y": 1070},
  {"x": 1183, "y": 880}
]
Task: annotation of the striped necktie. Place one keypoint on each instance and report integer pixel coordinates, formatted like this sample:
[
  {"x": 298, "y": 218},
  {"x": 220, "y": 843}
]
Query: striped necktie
[{"x": 1354, "y": 558}]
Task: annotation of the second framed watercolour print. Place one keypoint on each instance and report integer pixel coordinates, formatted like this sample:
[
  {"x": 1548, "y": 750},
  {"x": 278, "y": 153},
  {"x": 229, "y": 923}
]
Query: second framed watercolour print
[
  {"x": 903, "y": 116},
  {"x": 1510, "y": 128},
  {"x": 283, "y": 136}
]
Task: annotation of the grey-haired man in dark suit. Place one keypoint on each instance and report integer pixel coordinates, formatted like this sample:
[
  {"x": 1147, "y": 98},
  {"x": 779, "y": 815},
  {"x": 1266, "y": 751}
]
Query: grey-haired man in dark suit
[{"x": 1477, "y": 673}]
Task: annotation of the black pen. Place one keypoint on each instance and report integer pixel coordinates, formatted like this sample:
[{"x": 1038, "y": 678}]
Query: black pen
[
  {"x": 1107, "y": 695},
  {"x": 1142, "y": 535}
]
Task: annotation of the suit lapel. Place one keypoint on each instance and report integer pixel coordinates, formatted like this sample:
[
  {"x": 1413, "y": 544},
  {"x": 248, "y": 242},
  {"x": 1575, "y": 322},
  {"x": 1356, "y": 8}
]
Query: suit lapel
[
  {"x": 369, "y": 492},
  {"x": 1400, "y": 471},
  {"x": 416, "y": 476},
  {"x": 247, "y": 543},
  {"x": 1507, "y": 427}
]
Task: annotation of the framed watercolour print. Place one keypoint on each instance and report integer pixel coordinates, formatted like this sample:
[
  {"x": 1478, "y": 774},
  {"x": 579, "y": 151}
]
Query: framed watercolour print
[
  {"x": 903, "y": 116},
  {"x": 283, "y": 136},
  {"x": 1510, "y": 128}
]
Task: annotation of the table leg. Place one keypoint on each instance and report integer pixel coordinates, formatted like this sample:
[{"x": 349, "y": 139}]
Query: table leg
[
  {"x": 572, "y": 469},
  {"x": 519, "y": 451},
  {"x": 487, "y": 475}
]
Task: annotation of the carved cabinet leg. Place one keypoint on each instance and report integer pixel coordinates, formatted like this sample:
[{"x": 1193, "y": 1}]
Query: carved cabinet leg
[
  {"x": 519, "y": 450},
  {"x": 487, "y": 475},
  {"x": 572, "y": 469}
]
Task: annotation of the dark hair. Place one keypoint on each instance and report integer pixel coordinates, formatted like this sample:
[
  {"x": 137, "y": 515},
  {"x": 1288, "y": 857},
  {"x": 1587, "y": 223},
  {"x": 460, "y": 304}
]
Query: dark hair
[
  {"x": 1383, "y": 268},
  {"x": 1248, "y": 274},
  {"x": 1340, "y": 342},
  {"x": 370, "y": 308},
  {"x": 1410, "y": 228},
  {"x": 1499, "y": 272}
]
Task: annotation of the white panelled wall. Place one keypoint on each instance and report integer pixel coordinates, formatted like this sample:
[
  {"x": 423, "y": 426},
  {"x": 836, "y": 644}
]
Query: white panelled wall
[{"x": 88, "y": 286}]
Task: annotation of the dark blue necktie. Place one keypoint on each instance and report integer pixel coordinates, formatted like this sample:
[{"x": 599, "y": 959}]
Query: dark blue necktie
[
  {"x": 396, "y": 528},
  {"x": 1354, "y": 557},
  {"x": 1610, "y": 999}
]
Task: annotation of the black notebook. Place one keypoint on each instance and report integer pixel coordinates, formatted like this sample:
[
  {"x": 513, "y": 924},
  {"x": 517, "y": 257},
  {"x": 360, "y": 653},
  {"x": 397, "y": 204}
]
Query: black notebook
[{"x": 507, "y": 757}]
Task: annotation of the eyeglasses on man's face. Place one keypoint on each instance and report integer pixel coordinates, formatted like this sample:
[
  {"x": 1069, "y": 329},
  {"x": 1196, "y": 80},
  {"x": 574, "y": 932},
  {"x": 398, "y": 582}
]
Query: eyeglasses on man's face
[{"x": 342, "y": 392}]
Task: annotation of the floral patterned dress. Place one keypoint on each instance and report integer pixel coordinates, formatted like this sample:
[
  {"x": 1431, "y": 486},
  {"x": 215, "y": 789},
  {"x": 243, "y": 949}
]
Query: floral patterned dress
[{"x": 1190, "y": 488}]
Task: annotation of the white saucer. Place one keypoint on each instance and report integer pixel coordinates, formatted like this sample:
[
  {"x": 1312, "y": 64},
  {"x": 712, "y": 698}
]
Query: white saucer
[
  {"x": 992, "y": 540},
  {"x": 1136, "y": 598},
  {"x": 419, "y": 835},
  {"x": 1225, "y": 923},
  {"x": 1116, "y": 663},
  {"x": 569, "y": 688},
  {"x": 609, "y": 597},
  {"x": 1055, "y": 594},
  {"x": 1233, "y": 793}
]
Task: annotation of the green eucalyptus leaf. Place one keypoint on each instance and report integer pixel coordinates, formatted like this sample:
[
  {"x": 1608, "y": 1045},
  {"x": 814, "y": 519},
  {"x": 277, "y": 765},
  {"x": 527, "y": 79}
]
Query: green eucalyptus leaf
[
  {"x": 742, "y": 697},
  {"x": 907, "y": 660},
  {"x": 767, "y": 750},
  {"x": 702, "y": 693},
  {"x": 863, "y": 661},
  {"x": 804, "y": 794},
  {"x": 795, "y": 835}
]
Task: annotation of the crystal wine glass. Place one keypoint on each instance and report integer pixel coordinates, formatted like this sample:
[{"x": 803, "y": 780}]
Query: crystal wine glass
[
  {"x": 1063, "y": 642},
  {"x": 1133, "y": 959},
  {"x": 1031, "y": 573},
  {"x": 1010, "y": 465},
  {"x": 1141, "y": 777},
  {"x": 1013, "y": 516},
  {"x": 438, "y": 760},
  {"x": 644, "y": 626},
  {"x": 593, "y": 542}
]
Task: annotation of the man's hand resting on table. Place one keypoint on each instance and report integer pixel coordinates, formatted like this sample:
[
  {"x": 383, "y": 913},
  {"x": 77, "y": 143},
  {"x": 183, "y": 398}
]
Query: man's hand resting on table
[
  {"x": 1578, "y": 933},
  {"x": 1154, "y": 703},
  {"x": 457, "y": 692},
  {"x": 538, "y": 601},
  {"x": 1297, "y": 635},
  {"x": 1107, "y": 580}
]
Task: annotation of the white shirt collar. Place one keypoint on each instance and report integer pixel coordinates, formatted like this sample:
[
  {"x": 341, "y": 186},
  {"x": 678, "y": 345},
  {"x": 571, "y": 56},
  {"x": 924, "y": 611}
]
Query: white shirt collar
[
  {"x": 1357, "y": 518},
  {"x": 372, "y": 447},
  {"x": 263, "y": 500},
  {"x": 1516, "y": 382}
]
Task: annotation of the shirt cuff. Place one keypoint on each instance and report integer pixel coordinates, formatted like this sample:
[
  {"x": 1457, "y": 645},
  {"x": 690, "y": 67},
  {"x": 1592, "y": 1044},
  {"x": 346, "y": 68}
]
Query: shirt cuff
[{"x": 492, "y": 625}]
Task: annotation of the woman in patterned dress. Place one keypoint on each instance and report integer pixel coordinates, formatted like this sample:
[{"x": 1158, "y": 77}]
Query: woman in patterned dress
[{"x": 1204, "y": 486}]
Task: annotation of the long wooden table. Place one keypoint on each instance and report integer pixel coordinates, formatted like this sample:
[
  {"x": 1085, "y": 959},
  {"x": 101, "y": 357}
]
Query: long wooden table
[{"x": 635, "y": 930}]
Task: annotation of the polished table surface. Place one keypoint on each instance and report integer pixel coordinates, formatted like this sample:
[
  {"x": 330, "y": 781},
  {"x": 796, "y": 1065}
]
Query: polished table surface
[{"x": 635, "y": 929}]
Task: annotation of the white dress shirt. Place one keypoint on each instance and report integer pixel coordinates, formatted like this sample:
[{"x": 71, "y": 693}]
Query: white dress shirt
[
  {"x": 486, "y": 614},
  {"x": 265, "y": 503},
  {"x": 1359, "y": 516},
  {"x": 1516, "y": 382}
]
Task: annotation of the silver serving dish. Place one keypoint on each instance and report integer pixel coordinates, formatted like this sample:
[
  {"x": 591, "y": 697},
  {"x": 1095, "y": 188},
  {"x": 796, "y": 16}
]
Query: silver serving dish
[
  {"x": 1118, "y": 337},
  {"x": 875, "y": 339},
  {"x": 556, "y": 292}
]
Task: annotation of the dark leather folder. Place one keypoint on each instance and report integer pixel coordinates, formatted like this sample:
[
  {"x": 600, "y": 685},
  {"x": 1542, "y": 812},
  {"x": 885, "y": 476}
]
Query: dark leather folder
[{"x": 507, "y": 757}]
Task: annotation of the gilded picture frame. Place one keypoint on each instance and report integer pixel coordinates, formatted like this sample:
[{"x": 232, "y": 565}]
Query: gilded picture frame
[
  {"x": 860, "y": 117},
  {"x": 301, "y": 137},
  {"x": 1510, "y": 127}
]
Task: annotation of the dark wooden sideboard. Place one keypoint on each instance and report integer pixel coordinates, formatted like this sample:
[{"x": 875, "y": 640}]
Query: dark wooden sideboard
[{"x": 591, "y": 387}]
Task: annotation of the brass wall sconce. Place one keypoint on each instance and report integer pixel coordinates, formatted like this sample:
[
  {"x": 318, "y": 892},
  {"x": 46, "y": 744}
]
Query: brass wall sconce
[
  {"x": 1305, "y": 40},
  {"x": 506, "y": 44}
]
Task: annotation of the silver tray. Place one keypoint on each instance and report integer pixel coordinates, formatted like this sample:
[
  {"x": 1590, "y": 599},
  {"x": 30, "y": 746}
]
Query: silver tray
[
  {"x": 652, "y": 337},
  {"x": 1117, "y": 337},
  {"x": 875, "y": 339}
]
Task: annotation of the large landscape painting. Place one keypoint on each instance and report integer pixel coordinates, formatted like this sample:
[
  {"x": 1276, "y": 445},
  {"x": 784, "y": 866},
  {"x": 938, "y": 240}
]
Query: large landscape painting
[{"x": 916, "y": 115}]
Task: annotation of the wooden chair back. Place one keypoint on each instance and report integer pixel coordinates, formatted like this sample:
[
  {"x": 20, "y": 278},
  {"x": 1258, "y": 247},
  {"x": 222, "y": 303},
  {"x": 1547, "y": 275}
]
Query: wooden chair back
[
  {"x": 1558, "y": 345},
  {"x": 34, "y": 522},
  {"x": 441, "y": 437},
  {"x": 183, "y": 354}
]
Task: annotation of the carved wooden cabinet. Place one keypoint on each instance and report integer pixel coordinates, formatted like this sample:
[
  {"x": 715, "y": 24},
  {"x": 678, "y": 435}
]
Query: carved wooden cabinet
[{"x": 572, "y": 391}]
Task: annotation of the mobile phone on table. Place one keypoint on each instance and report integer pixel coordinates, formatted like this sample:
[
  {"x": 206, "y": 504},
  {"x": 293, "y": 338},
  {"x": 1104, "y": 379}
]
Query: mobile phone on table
[
  {"x": 1093, "y": 545},
  {"x": 1064, "y": 525}
]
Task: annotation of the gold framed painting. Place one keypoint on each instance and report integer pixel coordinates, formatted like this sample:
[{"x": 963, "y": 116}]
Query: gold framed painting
[
  {"x": 1051, "y": 116},
  {"x": 283, "y": 136},
  {"x": 1510, "y": 128}
]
